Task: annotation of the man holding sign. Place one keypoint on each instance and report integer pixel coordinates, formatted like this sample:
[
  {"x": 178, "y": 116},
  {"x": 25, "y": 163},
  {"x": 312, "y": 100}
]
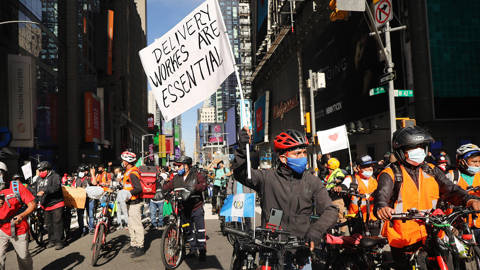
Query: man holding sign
[{"x": 187, "y": 64}]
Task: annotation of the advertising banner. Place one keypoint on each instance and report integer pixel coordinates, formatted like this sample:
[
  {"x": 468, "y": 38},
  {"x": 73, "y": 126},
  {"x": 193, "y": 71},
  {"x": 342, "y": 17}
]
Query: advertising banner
[
  {"x": 92, "y": 118},
  {"x": 167, "y": 128},
  {"x": 260, "y": 130},
  {"x": 188, "y": 64},
  {"x": 21, "y": 93},
  {"x": 169, "y": 145},
  {"x": 110, "y": 42},
  {"x": 177, "y": 135},
  {"x": 215, "y": 134},
  {"x": 231, "y": 126}
]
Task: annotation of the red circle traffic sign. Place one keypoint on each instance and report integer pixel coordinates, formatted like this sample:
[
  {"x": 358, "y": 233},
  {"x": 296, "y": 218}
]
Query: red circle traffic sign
[{"x": 382, "y": 12}]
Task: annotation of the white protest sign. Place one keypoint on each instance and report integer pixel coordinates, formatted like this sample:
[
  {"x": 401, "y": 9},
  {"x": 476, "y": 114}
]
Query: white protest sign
[
  {"x": 27, "y": 170},
  {"x": 187, "y": 64},
  {"x": 333, "y": 139}
]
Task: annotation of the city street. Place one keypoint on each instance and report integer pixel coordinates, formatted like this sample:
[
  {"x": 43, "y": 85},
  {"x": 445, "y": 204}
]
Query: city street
[{"x": 77, "y": 254}]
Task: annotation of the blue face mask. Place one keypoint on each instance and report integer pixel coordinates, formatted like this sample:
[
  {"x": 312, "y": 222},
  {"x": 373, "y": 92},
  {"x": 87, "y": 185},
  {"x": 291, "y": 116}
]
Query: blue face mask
[
  {"x": 473, "y": 169},
  {"x": 367, "y": 174},
  {"x": 298, "y": 165},
  {"x": 181, "y": 172}
]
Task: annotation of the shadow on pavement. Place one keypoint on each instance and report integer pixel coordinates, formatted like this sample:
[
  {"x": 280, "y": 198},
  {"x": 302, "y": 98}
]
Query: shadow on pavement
[
  {"x": 37, "y": 250},
  {"x": 111, "y": 249},
  {"x": 67, "y": 262},
  {"x": 211, "y": 263},
  {"x": 150, "y": 236}
]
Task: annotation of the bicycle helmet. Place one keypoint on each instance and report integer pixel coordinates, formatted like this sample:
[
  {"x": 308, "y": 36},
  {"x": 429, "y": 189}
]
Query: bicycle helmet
[
  {"x": 365, "y": 161},
  {"x": 128, "y": 156},
  {"x": 82, "y": 168},
  {"x": 184, "y": 160},
  {"x": 464, "y": 152},
  {"x": 333, "y": 164},
  {"x": 44, "y": 165},
  {"x": 289, "y": 140},
  {"x": 409, "y": 137}
]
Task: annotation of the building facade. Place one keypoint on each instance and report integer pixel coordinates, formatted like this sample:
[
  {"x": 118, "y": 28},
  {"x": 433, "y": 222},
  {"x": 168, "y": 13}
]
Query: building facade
[
  {"x": 285, "y": 50},
  {"x": 87, "y": 90}
]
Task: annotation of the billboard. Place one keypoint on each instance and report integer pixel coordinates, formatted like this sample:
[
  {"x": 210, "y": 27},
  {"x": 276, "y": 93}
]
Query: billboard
[
  {"x": 169, "y": 145},
  {"x": 21, "y": 86},
  {"x": 92, "y": 118},
  {"x": 110, "y": 41},
  {"x": 260, "y": 130},
  {"x": 215, "y": 134},
  {"x": 177, "y": 135},
  {"x": 167, "y": 128},
  {"x": 231, "y": 126}
]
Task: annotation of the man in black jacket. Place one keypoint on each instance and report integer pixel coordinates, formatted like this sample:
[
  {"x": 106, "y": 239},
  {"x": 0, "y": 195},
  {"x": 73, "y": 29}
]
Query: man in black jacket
[
  {"x": 194, "y": 181},
  {"x": 49, "y": 193},
  {"x": 288, "y": 187}
]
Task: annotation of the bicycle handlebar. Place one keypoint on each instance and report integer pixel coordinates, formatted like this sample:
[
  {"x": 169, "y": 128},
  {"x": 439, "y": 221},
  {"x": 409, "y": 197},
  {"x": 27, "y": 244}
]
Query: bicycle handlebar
[{"x": 237, "y": 232}]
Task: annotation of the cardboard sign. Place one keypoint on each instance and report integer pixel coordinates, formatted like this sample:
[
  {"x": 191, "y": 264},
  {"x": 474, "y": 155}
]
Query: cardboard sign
[{"x": 74, "y": 197}]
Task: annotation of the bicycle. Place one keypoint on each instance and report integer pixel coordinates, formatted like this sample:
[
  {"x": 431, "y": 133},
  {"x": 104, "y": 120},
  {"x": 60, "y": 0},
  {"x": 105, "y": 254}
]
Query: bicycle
[
  {"x": 103, "y": 224},
  {"x": 457, "y": 250},
  {"x": 38, "y": 230},
  {"x": 360, "y": 250},
  {"x": 273, "y": 247},
  {"x": 173, "y": 247}
]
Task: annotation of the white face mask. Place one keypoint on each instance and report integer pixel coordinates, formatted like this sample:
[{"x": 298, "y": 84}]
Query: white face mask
[
  {"x": 367, "y": 174},
  {"x": 81, "y": 174},
  {"x": 416, "y": 156}
]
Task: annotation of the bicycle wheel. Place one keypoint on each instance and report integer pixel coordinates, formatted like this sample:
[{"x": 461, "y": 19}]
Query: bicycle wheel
[
  {"x": 97, "y": 243},
  {"x": 172, "y": 251},
  {"x": 37, "y": 230},
  {"x": 234, "y": 225}
]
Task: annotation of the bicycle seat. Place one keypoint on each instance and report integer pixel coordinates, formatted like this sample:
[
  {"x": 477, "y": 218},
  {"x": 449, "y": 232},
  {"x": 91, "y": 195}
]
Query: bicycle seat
[
  {"x": 343, "y": 240},
  {"x": 372, "y": 241}
]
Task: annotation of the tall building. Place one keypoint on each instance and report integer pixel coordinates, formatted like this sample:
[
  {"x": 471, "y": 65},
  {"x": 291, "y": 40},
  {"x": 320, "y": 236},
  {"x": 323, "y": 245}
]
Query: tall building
[
  {"x": 84, "y": 94},
  {"x": 225, "y": 97},
  {"x": 206, "y": 114}
]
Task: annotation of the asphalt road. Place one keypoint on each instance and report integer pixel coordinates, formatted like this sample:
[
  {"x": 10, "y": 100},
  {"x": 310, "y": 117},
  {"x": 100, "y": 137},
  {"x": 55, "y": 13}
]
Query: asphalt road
[{"x": 77, "y": 254}]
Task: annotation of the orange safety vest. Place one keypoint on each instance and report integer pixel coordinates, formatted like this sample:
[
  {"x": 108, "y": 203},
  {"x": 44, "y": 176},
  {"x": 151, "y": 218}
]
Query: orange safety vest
[
  {"x": 363, "y": 189},
  {"x": 103, "y": 180},
  {"x": 127, "y": 183},
  {"x": 424, "y": 198},
  {"x": 463, "y": 184}
]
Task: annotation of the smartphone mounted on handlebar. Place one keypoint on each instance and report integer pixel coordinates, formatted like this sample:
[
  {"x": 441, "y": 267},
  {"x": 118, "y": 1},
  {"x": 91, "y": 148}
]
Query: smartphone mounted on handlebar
[{"x": 275, "y": 219}]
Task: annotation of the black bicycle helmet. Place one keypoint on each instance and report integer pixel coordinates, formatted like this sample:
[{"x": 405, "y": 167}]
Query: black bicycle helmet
[
  {"x": 290, "y": 139},
  {"x": 44, "y": 165},
  {"x": 184, "y": 160},
  {"x": 410, "y": 137},
  {"x": 82, "y": 168}
]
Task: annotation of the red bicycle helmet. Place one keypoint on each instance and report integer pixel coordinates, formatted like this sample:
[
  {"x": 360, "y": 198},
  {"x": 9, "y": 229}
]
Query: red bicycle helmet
[{"x": 290, "y": 139}]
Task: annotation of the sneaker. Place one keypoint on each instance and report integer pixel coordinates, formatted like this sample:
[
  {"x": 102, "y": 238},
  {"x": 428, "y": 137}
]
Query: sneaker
[
  {"x": 138, "y": 252},
  {"x": 130, "y": 249},
  {"x": 59, "y": 245},
  {"x": 202, "y": 255}
]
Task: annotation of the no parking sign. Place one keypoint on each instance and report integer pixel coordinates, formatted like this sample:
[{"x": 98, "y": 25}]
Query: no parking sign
[{"x": 383, "y": 12}]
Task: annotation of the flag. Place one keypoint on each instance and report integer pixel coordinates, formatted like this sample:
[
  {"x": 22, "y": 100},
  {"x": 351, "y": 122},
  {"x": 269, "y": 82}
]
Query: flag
[
  {"x": 239, "y": 205},
  {"x": 333, "y": 139}
]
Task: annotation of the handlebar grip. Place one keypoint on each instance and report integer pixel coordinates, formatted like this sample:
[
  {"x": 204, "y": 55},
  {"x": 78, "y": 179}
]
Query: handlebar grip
[{"x": 236, "y": 232}]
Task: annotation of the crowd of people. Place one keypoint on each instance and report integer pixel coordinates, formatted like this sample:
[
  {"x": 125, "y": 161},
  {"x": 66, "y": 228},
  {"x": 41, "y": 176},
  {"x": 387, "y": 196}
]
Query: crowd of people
[{"x": 408, "y": 177}]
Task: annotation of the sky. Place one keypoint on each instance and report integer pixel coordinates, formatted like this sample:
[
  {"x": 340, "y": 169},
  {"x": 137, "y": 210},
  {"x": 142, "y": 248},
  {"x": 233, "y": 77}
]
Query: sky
[{"x": 161, "y": 16}]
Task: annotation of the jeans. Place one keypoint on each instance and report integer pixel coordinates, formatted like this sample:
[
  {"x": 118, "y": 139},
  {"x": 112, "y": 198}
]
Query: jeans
[
  {"x": 92, "y": 205},
  {"x": 54, "y": 222},
  {"x": 156, "y": 213},
  {"x": 80, "y": 217}
]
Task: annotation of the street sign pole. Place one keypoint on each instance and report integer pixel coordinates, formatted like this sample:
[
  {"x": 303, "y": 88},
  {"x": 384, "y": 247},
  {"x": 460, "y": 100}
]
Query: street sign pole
[
  {"x": 391, "y": 96},
  {"x": 313, "y": 87}
]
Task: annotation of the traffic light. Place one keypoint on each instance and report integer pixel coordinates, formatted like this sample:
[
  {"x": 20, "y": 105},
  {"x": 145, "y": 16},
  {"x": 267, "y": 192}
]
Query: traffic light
[
  {"x": 308, "y": 127},
  {"x": 406, "y": 122},
  {"x": 336, "y": 13}
]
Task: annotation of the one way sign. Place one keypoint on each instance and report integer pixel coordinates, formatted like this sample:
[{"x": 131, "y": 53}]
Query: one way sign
[{"x": 383, "y": 12}]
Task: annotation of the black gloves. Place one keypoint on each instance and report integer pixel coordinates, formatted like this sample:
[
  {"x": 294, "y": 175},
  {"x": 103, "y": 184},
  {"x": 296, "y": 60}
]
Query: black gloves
[{"x": 243, "y": 139}]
